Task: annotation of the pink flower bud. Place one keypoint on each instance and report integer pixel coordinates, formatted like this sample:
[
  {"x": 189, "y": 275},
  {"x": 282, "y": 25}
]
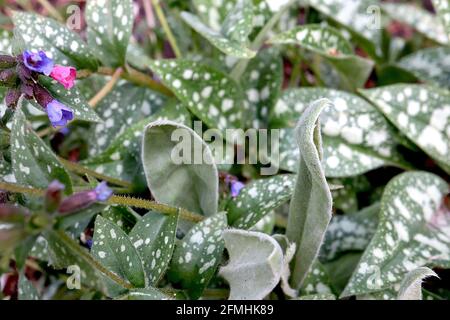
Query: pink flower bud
[{"x": 64, "y": 75}]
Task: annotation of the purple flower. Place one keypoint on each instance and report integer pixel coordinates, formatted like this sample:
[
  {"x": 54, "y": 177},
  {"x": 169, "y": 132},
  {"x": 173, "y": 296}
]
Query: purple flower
[
  {"x": 58, "y": 113},
  {"x": 236, "y": 187},
  {"x": 103, "y": 191},
  {"x": 38, "y": 62}
]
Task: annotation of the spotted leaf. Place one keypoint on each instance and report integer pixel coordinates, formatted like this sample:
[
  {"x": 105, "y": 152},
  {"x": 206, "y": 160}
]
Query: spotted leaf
[
  {"x": 114, "y": 250},
  {"x": 421, "y": 112},
  {"x": 413, "y": 231},
  {"x": 71, "y": 98},
  {"x": 310, "y": 207},
  {"x": 330, "y": 44},
  {"x": 197, "y": 256},
  {"x": 259, "y": 198},
  {"x": 154, "y": 236},
  {"x": 255, "y": 266},
  {"x": 443, "y": 11},
  {"x": 26, "y": 290},
  {"x": 110, "y": 23},
  {"x": 262, "y": 84},
  {"x": 361, "y": 17},
  {"x": 208, "y": 93},
  {"x": 356, "y": 137},
  {"x": 145, "y": 294},
  {"x": 231, "y": 39},
  {"x": 430, "y": 65},
  {"x": 350, "y": 232},
  {"x": 122, "y": 216},
  {"x": 34, "y": 164},
  {"x": 317, "y": 281},
  {"x": 5, "y": 42},
  {"x": 184, "y": 181},
  {"x": 423, "y": 21},
  {"x": 121, "y": 108},
  {"x": 61, "y": 44}
]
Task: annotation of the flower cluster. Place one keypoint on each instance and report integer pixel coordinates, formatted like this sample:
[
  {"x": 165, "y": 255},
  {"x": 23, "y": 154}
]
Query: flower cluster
[{"x": 20, "y": 74}]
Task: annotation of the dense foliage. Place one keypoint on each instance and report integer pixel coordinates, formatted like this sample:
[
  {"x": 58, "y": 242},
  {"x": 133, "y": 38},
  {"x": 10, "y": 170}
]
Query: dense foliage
[{"x": 333, "y": 184}]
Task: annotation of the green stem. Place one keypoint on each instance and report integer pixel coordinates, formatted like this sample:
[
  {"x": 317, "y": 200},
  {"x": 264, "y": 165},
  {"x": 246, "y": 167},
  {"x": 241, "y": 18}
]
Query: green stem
[
  {"x": 240, "y": 67},
  {"x": 70, "y": 243},
  {"x": 159, "y": 207},
  {"x": 296, "y": 71},
  {"x": 79, "y": 169},
  {"x": 162, "y": 19},
  {"x": 15, "y": 188}
]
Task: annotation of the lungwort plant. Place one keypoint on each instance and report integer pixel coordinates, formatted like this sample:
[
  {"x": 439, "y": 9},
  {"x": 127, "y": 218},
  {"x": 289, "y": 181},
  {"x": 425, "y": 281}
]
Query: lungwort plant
[{"x": 233, "y": 149}]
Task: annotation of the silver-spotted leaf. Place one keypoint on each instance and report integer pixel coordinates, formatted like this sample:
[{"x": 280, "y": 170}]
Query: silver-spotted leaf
[
  {"x": 110, "y": 23},
  {"x": 154, "y": 238},
  {"x": 310, "y": 207},
  {"x": 431, "y": 65},
  {"x": 259, "y": 198},
  {"x": 413, "y": 231},
  {"x": 26, "y": 290},
  {"x": 208, "y": 93},
  {"x": 114, "y": 250},
  {"x": 421, "y": 112},
  {"x": 34, "y": 163},
  {"x": 198, "y": 254},
  {"x": 59, "y": 42},
  {"x": 255, "y": 266},
  {"x": 356, "y": 137},
  {"x": 330, "y": 44},
  {"x": 442, "y": 8}
]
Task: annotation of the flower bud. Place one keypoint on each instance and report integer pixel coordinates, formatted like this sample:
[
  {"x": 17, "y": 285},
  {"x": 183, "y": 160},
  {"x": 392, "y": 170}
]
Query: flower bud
[
  {"x": 12, "y": 98},
  {"x": 77, "y": 202},
  {"x": 7, "y": 62},
  {"x": 8, "y": 78},
  {"x": 42, "y": 96},
  {"x": 53, "y": 196}
]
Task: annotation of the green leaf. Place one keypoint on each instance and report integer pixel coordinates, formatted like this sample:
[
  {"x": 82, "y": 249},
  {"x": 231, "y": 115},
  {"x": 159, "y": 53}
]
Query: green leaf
[
  {"x": 262, "y": 85},
  {"x": 122, "y": 216},
  {"x": 146, "y": 294},
  {"x": 71, "y": 98},
  {"x": 413, "y": 231},
  {"x": 319, "y": 296},
  {"x": 258, "y": 199},
  {"x": 423, "y": 21},
  {"x": 231, "y": 39},
  {"x": 126, "y": 105},
  {"x": 360, "y": 17},
  {"x": 330, "y": 44},
  {"x": 190, "y": 184},
  {"x": 411, "y": 286},
  {"x": 430, "y": 65},
  {"x": 197, "y": 256},
  {"x": 356, "y": 137},
  {"x": 110, "y": 23},
  {"x": 114, "y": 250},
  {"x": 34, "y": 163},
  {"x": 208, "y": 93},
  {"x": 350, "y": 232},
  {"x": 154, "y": 238},
  {"x": 212, "y": 12},
  {"x": 61, "y": 256},
  {"x": 61, "y": 44},
  {"x": 317, "y": 281},
  {"x": 442, "y": 8},
  {"x": 310, "y": 208},
  {"x": 5, "y": 42},
  {"x": 421, "y": 112},
  {"x": 26, "y": 289},
  {"x": 255, "y": 266}
]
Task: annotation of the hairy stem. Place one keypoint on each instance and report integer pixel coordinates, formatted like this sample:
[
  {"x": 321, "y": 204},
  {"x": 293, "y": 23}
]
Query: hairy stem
[
  {"x": 151, "y": 205},
  {"x": 79, "y": 169},
  {"x": 162, "y": 19}
]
